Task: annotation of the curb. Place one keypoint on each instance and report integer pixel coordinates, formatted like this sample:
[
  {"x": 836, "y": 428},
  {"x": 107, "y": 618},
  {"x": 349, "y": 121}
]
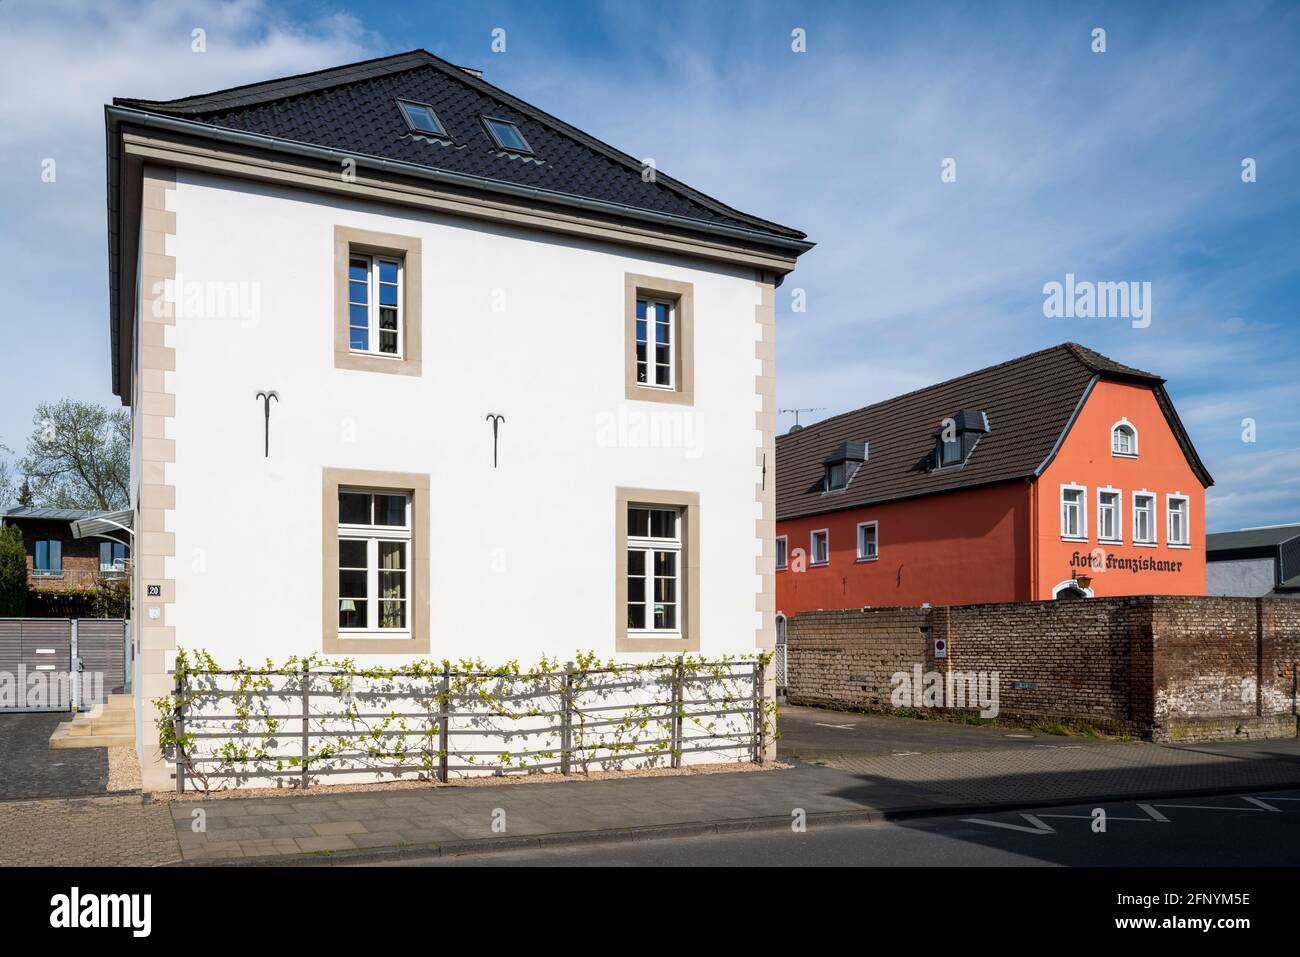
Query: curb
[{"x": 492, "y": 845}]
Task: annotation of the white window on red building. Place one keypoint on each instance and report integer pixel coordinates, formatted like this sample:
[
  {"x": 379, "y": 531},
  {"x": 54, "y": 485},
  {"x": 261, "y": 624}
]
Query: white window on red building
[
  {"x": 1074, "y": 514},
  {"x": 1144, "y": 518}
]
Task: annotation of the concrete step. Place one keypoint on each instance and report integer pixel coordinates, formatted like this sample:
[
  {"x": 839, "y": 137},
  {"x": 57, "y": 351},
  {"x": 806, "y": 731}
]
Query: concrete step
[
  {"x": 63, "y": 738},
  {"x": 120, "y": 702},
  {"x": 111, "y": 726}
]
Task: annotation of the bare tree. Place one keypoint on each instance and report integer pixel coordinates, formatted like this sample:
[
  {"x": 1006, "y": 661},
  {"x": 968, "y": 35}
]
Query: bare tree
[
  {"x": 8, "y": 487},
  {"x": 79, "y": 456}
]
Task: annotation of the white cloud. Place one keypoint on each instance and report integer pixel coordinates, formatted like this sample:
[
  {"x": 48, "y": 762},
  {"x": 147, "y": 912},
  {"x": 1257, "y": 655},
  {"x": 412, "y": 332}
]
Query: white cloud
[{"x": 60, "y": 62}]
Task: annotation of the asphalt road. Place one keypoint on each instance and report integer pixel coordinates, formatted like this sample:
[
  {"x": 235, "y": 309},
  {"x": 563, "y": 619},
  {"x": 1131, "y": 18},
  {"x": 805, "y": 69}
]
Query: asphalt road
[{"x": 1180, "y": 832}]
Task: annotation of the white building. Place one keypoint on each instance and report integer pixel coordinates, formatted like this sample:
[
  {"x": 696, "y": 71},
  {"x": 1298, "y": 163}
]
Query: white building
[{"x": 471, "y": 450}]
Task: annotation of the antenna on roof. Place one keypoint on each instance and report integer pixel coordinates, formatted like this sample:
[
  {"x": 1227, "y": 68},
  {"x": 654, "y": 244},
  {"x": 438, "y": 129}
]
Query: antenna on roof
[{"x": 795, "y": 412}]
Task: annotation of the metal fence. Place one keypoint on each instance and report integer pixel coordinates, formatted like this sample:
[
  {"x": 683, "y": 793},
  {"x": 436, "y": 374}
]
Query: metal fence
[{"x": 248, "y": 725}]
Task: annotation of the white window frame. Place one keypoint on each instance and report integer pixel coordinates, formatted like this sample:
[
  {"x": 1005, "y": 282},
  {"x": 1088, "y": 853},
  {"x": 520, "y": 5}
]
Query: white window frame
[
  {"x": 782, "y": 552},
  {"x": 812, "y": 546},
  {"x": 1082, "y": 534},
  {"x": 1114, "y": 429},
  {"x": 372, "y": 535},
  {"x": 651, "y": 351},
  {"x": 1118, "y": 537},
  {"x": 1153, "y": 541},
  {"x": 373, "y": 261},
  {"x": 875, "y": 527},
  {"x": 649, "y": 544},
  {"x": 1186, "y": 540}
]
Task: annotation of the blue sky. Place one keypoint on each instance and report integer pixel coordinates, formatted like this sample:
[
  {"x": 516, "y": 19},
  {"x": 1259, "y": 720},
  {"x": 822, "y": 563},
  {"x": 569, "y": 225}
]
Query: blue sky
[{"x": 1115, "y": 166}]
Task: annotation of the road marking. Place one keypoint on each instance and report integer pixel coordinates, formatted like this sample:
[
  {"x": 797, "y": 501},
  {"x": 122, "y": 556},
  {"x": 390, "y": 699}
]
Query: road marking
[
  {"x": 1109, "y": 817},
  {"x": 841, "y": 727},
  {"x": 1038, "y": 826},
  {"x": 1264, "y": 804},
  {"x": 904, "y": 754},
  {"x": 1155, "y": 815}
]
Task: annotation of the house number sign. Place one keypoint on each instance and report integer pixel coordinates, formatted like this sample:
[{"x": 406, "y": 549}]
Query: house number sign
[{"x": 154, "y": 591}]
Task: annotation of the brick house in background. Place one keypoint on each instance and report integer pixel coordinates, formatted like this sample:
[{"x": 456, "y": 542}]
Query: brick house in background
[
  {"x": 57, "y": 558},
  {"x": 1060, "y": 474}
]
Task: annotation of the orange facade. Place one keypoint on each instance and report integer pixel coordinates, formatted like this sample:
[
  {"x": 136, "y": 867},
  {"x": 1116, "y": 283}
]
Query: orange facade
[
  {"x": 1159, "y": 469},
  {"x": 1005, "y": 542}
]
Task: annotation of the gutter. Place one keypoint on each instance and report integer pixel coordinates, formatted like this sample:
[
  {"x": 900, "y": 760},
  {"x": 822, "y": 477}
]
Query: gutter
[{"x": 153, "y": 120}]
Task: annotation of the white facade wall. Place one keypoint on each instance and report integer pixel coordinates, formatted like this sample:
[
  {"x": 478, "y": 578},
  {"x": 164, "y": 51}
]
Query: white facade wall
[{"x": 522, "y": 556}]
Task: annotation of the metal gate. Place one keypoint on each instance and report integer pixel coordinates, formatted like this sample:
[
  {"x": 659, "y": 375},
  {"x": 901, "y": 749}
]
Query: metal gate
[
  {"x": 101, "y": 648},
  {"x": 35, "y": 664},
  {"x": 48, "y": 663}
]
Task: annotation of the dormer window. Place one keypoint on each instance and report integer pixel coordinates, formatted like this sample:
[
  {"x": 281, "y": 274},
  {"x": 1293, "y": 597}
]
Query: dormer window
[
  {"x": 420, "y": 118},
  {"x": 950, "y": 451},
  {"x": 506, "y": 135},
  {"x": 1124, "y": 439},
  {"x": 958, "y": 435},
  {"x": 841, "y": 464}
]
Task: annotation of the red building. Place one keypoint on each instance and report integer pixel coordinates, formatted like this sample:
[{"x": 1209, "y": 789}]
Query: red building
[{"x": 1057, "y": 474}]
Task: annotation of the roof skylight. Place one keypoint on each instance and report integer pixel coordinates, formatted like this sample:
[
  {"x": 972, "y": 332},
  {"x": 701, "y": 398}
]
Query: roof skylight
[
  {"x": 506, "y": 135},
  {"x": 420, "y": 118}
]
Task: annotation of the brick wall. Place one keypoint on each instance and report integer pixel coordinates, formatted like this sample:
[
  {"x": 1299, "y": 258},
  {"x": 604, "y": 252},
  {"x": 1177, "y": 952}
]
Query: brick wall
[
  {"x": 80, "y": 556},
  {"x": 845, "y": 659},
  {"x": 1185, "y": 668}
]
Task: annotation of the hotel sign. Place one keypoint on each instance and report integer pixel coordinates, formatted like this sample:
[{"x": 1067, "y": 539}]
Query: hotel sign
[{"x": 1100, "y": 560}]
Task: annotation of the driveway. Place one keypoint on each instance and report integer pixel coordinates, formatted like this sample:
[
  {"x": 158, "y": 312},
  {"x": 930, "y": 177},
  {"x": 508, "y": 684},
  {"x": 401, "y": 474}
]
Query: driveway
[
  {"x": 29, "y": 769},
  {"x": 810, "y": 734}
]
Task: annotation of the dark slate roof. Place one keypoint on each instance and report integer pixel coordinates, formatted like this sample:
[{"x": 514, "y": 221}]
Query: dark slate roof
[
  {"x": 353, "y": 108},
  {"x": 1264, "y": 538},
  {"x": 1030, "y": 401}
]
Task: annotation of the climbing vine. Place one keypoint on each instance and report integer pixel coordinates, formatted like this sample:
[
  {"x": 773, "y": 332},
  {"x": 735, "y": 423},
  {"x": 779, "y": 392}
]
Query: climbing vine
[{"x": 250, "y": 721}]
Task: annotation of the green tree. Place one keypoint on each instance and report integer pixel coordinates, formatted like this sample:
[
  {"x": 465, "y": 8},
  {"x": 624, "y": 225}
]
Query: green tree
[
  {"x": 79, "y": 456},
  {"x": 13, "y": 573}
]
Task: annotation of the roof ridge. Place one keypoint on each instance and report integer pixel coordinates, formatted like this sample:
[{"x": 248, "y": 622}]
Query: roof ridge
[
  {"x": 1089, "y": 356},
  {"x": 938, "y": 385}
]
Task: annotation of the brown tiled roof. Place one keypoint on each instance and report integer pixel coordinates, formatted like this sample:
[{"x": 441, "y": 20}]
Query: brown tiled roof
[{"x": 1030, "y": 401}]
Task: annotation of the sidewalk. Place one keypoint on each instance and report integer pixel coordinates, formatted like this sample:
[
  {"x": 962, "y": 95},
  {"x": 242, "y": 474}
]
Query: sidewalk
[
  {"x": 320, "y": 826},
  {"x": 454, "y": 820}
]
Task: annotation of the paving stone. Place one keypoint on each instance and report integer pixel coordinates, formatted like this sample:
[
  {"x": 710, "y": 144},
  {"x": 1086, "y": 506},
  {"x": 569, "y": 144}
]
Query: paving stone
[
  {"x": 339, "y": 827},
  {"x": 29, "y": 769},
  {"x": 335, "y": 842}
]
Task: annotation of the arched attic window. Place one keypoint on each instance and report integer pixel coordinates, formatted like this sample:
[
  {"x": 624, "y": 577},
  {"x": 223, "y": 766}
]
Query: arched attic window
[{"x": 1124, "y": 439}]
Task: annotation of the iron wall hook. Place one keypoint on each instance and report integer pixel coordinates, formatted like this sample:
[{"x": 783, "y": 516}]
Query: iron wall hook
[
  {"x": 496, "y": 419},
  {"x": 266, "y": 395}
]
